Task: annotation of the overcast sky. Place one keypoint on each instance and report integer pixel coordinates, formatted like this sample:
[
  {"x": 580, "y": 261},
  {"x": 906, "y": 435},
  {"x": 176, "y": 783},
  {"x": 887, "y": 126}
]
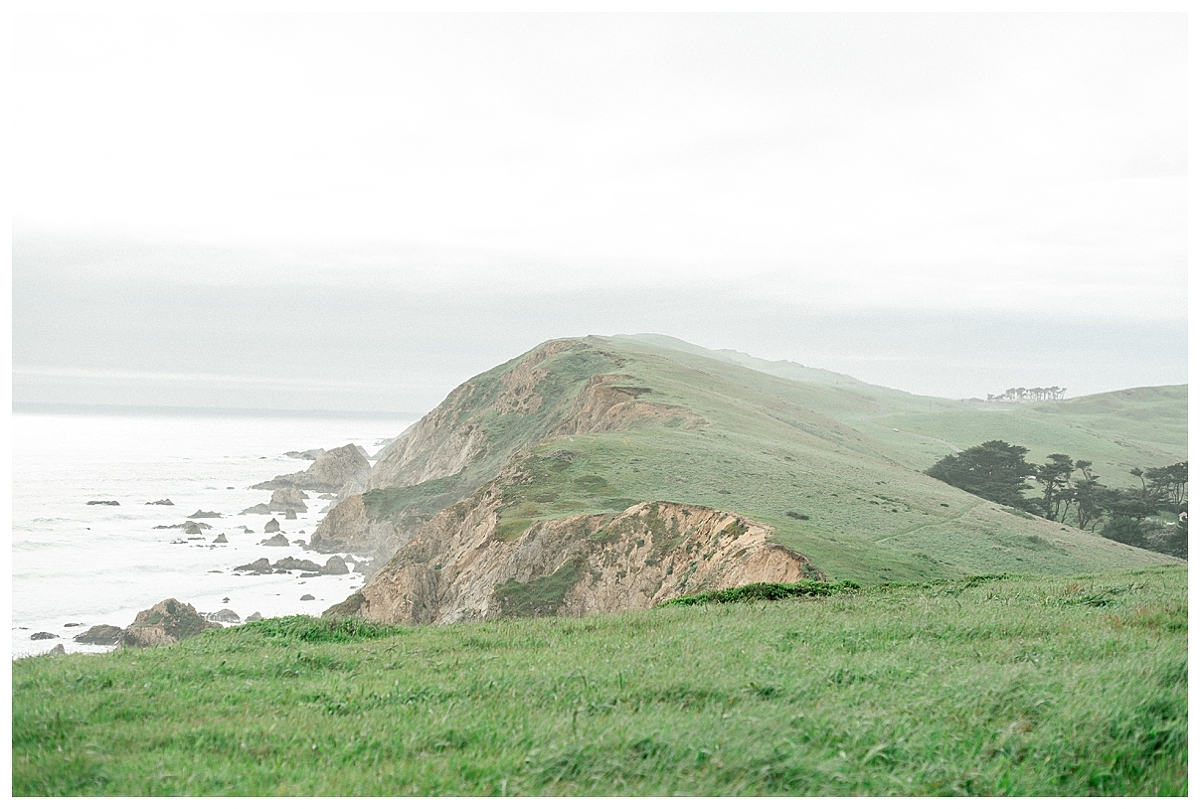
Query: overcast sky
[{"x": 248, "y": 204}]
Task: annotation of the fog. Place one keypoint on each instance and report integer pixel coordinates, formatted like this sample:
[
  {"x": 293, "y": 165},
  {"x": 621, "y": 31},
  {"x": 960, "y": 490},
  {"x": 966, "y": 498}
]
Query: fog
[{"x": 358, "y": 212}]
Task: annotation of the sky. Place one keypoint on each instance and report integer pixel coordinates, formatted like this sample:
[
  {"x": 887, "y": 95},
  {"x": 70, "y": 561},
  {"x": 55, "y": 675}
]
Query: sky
[{"x": 360, "y": 211}]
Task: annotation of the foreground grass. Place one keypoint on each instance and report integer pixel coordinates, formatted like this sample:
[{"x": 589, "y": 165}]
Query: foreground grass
[{"x": 1049, "y": 686}]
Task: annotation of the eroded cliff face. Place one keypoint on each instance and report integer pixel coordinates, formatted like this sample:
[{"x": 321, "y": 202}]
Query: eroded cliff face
[
  {"x": 458, "y": 442},
  {"x": 348, "y": 529},
  {"x": 456, "y": 568},
  {"x": 443, "y": 442}
]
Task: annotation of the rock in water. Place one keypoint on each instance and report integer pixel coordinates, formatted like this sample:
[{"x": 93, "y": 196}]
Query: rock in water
[
  {"x": 204, "y": 515},
  {"x": 42, "y": 636},
  {"x": 289, "y": 498},
  {"x": 336, "y": 566},
  {"x": 288, "y": 563},
  {"x": 103, "y": 503},
  {"x": 261, "y": 508},
  {"x": 252, "y": 617},
  {"x": 272, "y": 525},
  {"x": 277, "y": 541},
  {"x": 308, "y": 597},
  {"x": 100, "y": 635},
  {"x": 290, "y": 515},
  {"x": 306, "y": 455},
  {"x": 57, "y": 650},
  {"x": 262, "y": 565},
  {"x": 220, "y": 540},
  {"x": 225, "y": 616},
  {"x": 194, "y": 528},
  {"x": 167, "y": 622},
  {"x": 328, "y": 473},
  {"x": 161, "y": 503}
]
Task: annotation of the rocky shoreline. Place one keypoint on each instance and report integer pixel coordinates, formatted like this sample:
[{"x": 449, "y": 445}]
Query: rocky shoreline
[{"x": 332, "y": 474}]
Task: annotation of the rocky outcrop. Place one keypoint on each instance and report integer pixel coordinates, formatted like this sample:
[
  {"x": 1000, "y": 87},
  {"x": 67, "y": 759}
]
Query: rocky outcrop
[
  {"x": 100, "y": 635},
  {"x": 103, "y": 503},
  {"x": 289, "y": 563},
  {"x": 335, "y": 566},
  {"x": 205, "y": 515},
  {"x": 287, "y": 498},
  {"x": 161, "y": 503},
  {"x": 272, "y": 525},
  {"x": 262, "y": 565},
  {"x": 306, "y": 455},
  {"x": 225, "y": 616},
  {"x": 188, "y": 527},
  {"x": 277, "y": 541},
  {"x": 43, "y": 636},
  {"x": 348, "y": 528},
  {"x": 283, "y": 500},
  {"x": 328, "y": 473},
  {"x": 165, "y": 623},
  {"x": 458, "y": 568}
]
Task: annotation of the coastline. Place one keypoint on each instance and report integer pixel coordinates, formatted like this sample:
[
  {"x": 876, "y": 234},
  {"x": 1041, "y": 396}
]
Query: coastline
[{"x": 75, "y": 563}]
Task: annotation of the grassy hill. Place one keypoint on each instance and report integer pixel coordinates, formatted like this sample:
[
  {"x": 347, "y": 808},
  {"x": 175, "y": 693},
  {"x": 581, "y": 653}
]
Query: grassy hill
[
  {"x": 817, "y": 460},
  {"x": 1117, "y": 431},
  {"x": 1019, "y": 686}
]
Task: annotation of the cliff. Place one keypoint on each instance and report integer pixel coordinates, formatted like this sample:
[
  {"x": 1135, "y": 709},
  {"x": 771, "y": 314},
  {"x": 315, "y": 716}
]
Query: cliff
[
  {"x": 459, "y": 567},
  {"x": 543, "y": 487}
]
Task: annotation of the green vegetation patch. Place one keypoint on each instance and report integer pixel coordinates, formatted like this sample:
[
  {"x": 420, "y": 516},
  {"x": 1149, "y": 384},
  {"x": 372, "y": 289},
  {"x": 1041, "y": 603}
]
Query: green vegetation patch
[
  {"x": 540, "y": 596},
  {"x": 426, "y": 498},
  {"x": 325, "y": 629},
  {"x": 766, "y": 591}
]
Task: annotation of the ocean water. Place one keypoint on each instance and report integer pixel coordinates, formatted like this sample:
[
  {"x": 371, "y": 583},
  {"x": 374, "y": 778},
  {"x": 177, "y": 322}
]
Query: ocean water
[{"x": 78, "y": 564}]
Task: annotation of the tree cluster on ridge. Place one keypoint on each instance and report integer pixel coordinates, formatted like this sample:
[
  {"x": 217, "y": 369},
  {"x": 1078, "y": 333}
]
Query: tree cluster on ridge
[{"x": 1068, "y": 490}]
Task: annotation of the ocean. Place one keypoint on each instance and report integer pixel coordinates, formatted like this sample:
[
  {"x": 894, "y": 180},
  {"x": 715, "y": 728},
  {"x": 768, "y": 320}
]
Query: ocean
[{"x": 80, "y": 564}]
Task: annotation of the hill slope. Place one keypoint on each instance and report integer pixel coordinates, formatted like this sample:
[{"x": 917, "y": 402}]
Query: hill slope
[{"x": 595, "y": 426}]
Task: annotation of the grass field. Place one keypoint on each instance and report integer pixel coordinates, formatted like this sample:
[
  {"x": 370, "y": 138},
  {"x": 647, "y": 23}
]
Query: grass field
[{"x": 995, "y": 686}]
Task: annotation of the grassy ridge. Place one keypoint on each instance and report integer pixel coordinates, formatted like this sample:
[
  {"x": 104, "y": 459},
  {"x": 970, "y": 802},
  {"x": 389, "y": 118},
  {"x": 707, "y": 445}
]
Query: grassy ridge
[
  {"x": 842, "y": 496},
  {"x": 1016, "y": 686},
  {"x": 810, "y": 453},
  {"x": 1142, "y": 427}
]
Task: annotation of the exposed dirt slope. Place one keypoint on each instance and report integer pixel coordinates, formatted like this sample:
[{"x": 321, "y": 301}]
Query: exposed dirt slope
[
  {"x": 457, "y": 569},
  {"x": 551, "y": 391}
]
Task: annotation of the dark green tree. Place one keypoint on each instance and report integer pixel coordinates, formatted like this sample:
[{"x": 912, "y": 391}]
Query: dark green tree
[
  {"x": 1055, "y": 480},
  {"x": 1168, "y": 485},
  {"x": 993, "y": 470}
]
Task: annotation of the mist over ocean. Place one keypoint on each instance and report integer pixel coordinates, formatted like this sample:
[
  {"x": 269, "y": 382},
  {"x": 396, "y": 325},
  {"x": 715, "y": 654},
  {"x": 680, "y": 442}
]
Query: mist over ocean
[{"x": 100, "y": 564}]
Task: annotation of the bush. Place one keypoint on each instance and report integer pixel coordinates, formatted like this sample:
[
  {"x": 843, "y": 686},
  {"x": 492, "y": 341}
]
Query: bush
[{"x": 765, "y": 591}]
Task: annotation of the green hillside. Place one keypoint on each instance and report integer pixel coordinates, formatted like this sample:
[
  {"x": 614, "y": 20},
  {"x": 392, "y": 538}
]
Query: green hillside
[
  {"x": 1117, "y": 431},
  {"x": 818, "y": 460}
]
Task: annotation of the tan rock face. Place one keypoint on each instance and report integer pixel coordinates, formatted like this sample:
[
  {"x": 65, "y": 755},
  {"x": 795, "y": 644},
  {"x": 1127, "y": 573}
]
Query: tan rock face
[
  {"x": 456, "y": 569},
  {"x": 605, "y": 404},
  {"x": 347, "y": 528}
]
